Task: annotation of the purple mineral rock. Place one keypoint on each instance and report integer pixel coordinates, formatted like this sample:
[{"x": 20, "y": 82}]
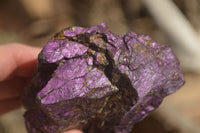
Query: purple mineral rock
[{"x": 99, "y": 82}]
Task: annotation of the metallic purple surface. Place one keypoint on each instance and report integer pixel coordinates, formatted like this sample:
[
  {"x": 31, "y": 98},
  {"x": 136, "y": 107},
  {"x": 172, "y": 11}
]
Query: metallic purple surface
[{"x": 96, "y": 81}]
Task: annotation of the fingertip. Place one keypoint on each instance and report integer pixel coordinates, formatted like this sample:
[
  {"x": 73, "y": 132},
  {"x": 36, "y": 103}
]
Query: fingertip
[
  {"x": 73, "y": 131},
  {"x": 25, "y": 59},
  {"x": 18, "y": 58}
]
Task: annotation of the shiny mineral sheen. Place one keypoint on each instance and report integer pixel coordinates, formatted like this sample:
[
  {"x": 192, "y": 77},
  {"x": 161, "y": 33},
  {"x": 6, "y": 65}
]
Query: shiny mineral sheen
[{"x": 99, "y": 82}]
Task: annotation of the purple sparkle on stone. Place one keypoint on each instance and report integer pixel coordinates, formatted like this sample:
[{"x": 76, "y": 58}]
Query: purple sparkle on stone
[{"x": 96, "y": 81}]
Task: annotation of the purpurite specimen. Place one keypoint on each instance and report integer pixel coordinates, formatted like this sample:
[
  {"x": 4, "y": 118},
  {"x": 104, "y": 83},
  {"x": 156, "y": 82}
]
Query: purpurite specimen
[{"x": 99, "y": 82}]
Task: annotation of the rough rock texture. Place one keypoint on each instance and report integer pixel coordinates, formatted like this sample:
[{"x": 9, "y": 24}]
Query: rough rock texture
[{"x": 99, "y": 82}]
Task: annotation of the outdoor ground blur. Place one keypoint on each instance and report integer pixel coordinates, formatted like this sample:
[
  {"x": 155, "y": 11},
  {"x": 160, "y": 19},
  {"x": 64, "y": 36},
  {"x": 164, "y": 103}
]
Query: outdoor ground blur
[{"x": 34, "y": 22}]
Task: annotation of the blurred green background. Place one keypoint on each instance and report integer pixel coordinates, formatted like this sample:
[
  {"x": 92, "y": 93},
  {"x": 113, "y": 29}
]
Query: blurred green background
[{"x": 33, "y": 22}]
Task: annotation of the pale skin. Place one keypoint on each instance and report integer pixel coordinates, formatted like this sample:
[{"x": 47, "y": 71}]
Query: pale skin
[{"x": 17, "y": 65}]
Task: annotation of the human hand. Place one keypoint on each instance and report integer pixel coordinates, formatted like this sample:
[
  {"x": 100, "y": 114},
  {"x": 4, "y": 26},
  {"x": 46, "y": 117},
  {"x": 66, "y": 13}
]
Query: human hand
[{"x": 17, "y": 65}]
